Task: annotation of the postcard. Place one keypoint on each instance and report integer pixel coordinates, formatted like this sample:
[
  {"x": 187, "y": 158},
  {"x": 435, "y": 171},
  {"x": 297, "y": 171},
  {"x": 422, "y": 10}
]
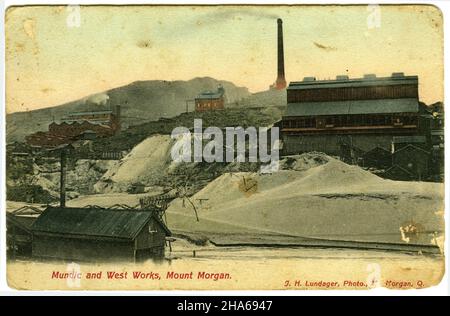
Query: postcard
[{"x": 224, "y": 147}]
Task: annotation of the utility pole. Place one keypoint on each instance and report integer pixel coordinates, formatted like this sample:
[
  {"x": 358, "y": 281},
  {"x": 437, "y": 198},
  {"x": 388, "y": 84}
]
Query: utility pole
[
  {"x": 62, "y": 184},
  {"x": 187, "y": 104}
]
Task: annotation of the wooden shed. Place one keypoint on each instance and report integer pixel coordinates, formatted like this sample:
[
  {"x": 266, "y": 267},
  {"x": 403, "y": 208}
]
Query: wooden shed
[
  {"x": 18, "y": 231},
  {"x": 99, "y": 234},
  {"x": 414, "y": 160},
  {"x": 377, "y": 157},
  {"x": 398, "y": 173}
]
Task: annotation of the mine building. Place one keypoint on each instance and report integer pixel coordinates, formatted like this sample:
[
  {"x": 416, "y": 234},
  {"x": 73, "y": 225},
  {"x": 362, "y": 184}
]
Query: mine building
[
  {"x": 78, "y": 125},
  {"x": 409, "y": 163},
  {"x": 360, "y": 114},
  {"x": 18, "y": 230},
  {"x": 98, "y": 234},
  {"x": 209, "y": 100},
  {"x": 398, "y": 142},
  {"x": 378, "y": 158}
]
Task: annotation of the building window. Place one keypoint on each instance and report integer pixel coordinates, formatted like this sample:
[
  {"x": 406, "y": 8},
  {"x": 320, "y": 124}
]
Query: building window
[{"x": 329, "y": 120}]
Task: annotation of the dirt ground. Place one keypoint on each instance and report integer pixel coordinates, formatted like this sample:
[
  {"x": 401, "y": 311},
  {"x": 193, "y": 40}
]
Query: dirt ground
[{"x": 244, "y": 268}]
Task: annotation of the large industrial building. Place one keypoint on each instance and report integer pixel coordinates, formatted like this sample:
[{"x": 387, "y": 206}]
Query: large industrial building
[
  {"x": 78, "y": 125},
  {"x": 371, "y": 121},
  {"x": 364, "y": 113}
]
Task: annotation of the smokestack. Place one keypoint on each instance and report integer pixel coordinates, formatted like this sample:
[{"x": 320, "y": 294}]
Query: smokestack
[{"x": 281, "y": 81}]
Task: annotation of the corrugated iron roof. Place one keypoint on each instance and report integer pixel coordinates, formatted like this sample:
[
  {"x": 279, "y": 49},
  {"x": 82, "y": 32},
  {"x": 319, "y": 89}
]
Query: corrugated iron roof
[
  {"x": 381, "y": 106},
  {"x": 90, "y": 113},
  {"x": 356, "y": 82},
  {"x": 99, "y": 222},
  {"x": 409, "y": 147},
  {"x": 207, "y": 96},
  {"x": 24, "y": 222},
  {"x": 377, "y": 151}
]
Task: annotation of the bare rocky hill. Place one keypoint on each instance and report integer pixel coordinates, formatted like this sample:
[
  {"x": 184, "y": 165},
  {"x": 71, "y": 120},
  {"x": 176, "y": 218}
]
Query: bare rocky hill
[{"x": 141, "y": 101}]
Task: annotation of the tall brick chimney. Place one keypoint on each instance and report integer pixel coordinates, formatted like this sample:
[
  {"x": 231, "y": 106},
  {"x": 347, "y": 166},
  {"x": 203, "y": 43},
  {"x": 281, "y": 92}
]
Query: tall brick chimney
[{"x": 280, "y": 83}]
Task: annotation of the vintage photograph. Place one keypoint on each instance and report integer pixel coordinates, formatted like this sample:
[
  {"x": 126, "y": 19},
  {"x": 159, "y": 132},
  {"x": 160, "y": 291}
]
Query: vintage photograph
[{"x": 228, "y": 147}]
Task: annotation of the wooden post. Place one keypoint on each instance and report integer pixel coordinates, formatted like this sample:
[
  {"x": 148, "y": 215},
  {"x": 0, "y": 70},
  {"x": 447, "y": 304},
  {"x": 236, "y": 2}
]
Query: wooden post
[
  {"x": 13, "y": 242},
  {"x": 62, "y": 184}
]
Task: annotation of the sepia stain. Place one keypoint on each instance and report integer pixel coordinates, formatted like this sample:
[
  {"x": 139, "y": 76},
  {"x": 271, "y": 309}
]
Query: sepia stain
[
  {"x": 144, "y": 44},
  {"x": 405, "y": 268},
  {"x": 410, "y": 231},
  {"x": 248, "y": 186},
  {"x": 29, "y": 27},
  {"x": 58, "y": 9},
  {"x": 47, "y": 90},
  {"x": 20, "y": 47},
  {"x": 325, "y": 47},
  {"x": 432, "y": 12}
]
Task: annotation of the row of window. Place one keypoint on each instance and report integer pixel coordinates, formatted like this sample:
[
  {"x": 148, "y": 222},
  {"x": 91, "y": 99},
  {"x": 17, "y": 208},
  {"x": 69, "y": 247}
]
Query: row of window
[
  {"x": 349, "y": 121},
  {"x": 353, "y": 93},
  {"x": 209, "y": 105}
]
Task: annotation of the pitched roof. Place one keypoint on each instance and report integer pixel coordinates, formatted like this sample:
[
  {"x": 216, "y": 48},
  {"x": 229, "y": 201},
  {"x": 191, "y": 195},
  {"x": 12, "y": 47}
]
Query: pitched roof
[
  {"x": 378, "y": 106},
  {"x": 97, "y": 222},
  {"x": 23, "y": 222},
  {"x": 410, "y": 147},
  {"x": 380, "y": 151},
  {"x": 207, "y": 95},
  {"x": 90, "y": 113},
  {"x": 392, "y": 171}
]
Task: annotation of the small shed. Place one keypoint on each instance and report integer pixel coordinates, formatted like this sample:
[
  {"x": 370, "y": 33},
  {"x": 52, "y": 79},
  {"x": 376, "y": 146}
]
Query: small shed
[
  {"x": 377, "y": 157},
  {"x": 99, "y": 234},
  {"x": 18, "y": 231},
  {"x": 398, "y": 173},
  {"x": 413, "y": 159}
]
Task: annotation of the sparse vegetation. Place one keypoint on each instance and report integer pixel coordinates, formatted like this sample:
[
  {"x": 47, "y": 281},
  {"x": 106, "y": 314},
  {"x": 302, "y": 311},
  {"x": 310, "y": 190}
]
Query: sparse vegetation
[
  {"x": 230, "y": 117},
  {"x": 29, "y": 193}
]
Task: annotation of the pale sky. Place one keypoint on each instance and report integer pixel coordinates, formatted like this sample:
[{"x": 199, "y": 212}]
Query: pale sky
[{"x": 50, "y": 61}]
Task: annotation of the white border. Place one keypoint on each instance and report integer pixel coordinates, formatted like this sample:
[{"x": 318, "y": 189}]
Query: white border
[{"x": 441, "y": 289}]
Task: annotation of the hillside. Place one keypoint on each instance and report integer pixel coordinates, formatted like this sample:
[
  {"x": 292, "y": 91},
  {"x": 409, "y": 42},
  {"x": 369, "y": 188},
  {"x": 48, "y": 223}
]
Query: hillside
[
  {"x": 141, "y": 101},
  {"x": 127, "y": 139},
  {"x": 263, "y": 98}
]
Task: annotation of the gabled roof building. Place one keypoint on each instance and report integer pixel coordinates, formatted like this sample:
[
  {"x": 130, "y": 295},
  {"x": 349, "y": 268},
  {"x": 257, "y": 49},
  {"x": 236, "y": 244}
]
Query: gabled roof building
[
  {"x": 363, "y": 112},
  {"x": 98, "y": 234}
]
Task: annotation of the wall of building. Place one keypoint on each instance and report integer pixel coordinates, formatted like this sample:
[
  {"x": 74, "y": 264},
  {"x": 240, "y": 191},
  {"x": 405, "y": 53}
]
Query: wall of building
[
  {"x": 331, "y": 144},
  {"x": 352, "y": 93},
  {"x": 209, "y": 104},
  {"x": 46, "y": 139},
  {"x": 414, "y": 160},
  {"x": 76, "y": 129},
  {"x": 402, "y": 120},
  {"x": 59, "y": 247},
  {"x": 151, "y": 241}
]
